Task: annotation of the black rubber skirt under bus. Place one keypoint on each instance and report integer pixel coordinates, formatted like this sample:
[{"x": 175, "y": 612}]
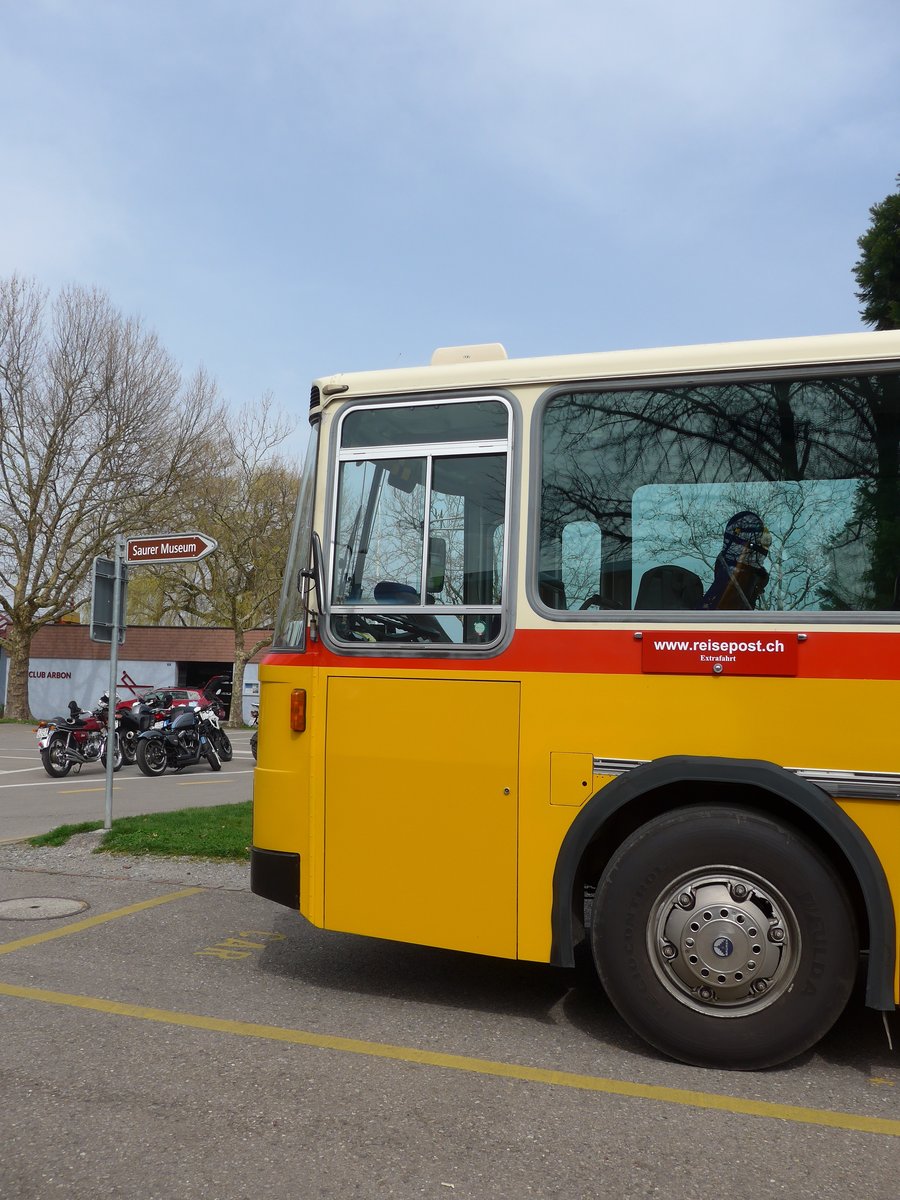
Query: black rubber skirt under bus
[{"x": 275, "y": 875}]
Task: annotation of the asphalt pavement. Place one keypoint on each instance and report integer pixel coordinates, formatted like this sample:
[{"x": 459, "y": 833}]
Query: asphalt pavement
[
  {"x": 168, "y": 1035},
  {"x": 31, "y": 802}
]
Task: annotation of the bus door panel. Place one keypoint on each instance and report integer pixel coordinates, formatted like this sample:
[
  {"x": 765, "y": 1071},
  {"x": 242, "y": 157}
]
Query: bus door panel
[{"x": 421, "y": 811}]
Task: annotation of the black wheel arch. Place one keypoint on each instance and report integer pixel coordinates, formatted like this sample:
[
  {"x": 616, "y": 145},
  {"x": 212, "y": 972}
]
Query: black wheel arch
[{"x": 642, "y": 793}]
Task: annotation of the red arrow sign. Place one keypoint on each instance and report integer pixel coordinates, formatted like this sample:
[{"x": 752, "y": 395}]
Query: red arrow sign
[{"x": 169, "y": 548}]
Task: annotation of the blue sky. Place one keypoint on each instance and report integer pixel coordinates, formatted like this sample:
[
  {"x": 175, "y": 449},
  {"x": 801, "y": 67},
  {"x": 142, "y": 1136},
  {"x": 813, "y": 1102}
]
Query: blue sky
[{"x": 282, "y": 189}]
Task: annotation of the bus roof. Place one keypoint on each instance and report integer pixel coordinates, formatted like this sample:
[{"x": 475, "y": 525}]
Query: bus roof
[{"x": 499, "y": 371}]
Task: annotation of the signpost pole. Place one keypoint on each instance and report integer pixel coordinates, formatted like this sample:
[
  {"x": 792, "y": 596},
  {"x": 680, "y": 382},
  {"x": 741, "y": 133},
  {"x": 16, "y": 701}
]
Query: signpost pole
[
  {"x": 113, "y": 674},
  {"x": 152, "y": 548}
]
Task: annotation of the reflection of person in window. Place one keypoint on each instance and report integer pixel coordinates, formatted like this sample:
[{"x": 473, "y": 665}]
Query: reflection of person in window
[{"x": 740, "y": 576}]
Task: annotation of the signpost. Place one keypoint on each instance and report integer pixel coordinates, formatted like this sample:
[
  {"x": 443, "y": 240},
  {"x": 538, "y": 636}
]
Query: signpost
[
  {"x": 169, "y": 548},
  {"x": 103, "y": 601},
  {"x": 108, "y": 608}
]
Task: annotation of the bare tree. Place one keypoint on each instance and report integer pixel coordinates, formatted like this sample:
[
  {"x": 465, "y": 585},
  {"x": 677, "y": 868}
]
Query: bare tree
[
  {"x": 97, "y": 429},
  {"x": 244, "y": 497}
]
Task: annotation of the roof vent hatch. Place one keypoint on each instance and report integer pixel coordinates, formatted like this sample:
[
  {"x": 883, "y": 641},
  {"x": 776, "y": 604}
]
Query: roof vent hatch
[{"x": 484, "y": 352}]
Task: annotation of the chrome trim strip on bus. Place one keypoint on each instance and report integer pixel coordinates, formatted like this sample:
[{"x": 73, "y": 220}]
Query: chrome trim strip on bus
[
  {"x": 423, "y": 449},
  {"x": 617, "y": 766},
  {"x": 873, "y": 785},
  {"x": 373, "y": 609}
]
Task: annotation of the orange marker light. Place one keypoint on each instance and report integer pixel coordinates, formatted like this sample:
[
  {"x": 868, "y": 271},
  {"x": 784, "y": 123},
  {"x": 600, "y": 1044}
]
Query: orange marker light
[{"x": 298, "y": 710}]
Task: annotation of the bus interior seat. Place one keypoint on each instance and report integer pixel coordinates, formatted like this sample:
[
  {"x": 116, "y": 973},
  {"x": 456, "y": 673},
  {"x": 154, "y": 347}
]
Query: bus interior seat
[
  {"x": 551, "y": 591},
  {"x": 389, "y": 592},
  {"x": 669, "y": 588}
]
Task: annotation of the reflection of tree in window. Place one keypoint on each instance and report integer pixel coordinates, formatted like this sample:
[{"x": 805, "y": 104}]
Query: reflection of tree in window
[
  {"x": 380, "y": 521},
  {"x": 396, "y": 550},
  {"x": 681, "y": 524},
  {"x": 447, "y": 522},
  {"x": 599, "y": 448}
]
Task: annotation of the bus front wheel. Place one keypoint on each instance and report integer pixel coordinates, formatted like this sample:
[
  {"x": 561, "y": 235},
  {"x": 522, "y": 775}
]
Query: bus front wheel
[{"x": 724, "y": 938}]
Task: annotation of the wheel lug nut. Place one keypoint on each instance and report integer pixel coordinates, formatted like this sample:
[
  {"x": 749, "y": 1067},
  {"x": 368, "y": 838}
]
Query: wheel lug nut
[
  {"x": 776, "y": 934},
  {"x": 706, "y": 993},
  {"x": 759, "y": 986},
  {"x": 685, "y": 900},
  {"x": 668, "y": 950},
  {"x": 738, "y": 892}
]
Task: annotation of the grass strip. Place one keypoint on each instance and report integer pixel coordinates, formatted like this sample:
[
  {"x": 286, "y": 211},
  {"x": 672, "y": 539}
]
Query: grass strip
[
  {"x": 61, "y": 834},
  {"x": 222, "y": 832}
]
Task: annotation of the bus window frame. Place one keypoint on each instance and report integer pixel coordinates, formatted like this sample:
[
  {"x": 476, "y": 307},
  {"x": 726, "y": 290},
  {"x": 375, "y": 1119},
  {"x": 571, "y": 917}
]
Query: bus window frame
[
  {"x": 296, "y": 575},
  {"x": 675, "y": 617},
  {"x": 506, "y": 610}
]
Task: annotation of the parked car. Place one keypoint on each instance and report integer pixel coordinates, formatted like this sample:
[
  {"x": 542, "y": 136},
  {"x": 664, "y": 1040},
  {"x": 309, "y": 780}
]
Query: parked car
[{"x": 218, "y": 688}]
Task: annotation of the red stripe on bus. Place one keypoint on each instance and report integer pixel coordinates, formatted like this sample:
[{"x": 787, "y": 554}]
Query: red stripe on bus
[{"x": 823, "y": 655}]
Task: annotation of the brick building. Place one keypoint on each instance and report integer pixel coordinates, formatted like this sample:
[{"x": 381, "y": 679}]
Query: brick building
[{"x": 66, "y": 665}]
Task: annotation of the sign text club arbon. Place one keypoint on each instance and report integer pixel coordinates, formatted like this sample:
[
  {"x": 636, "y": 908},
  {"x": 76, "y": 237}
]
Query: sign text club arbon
[{"x": 169, "y": 548}]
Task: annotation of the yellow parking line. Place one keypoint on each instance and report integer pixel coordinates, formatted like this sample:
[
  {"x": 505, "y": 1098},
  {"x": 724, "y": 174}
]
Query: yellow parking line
[
  {"x": 476, "y": 1066},
  {"x": 90, "y": 922},
  {"x": 73, "y": 791}
]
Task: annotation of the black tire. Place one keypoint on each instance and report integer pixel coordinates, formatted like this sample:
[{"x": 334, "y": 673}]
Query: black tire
[
  {"x": 151, "y": 756},
  {"x": 741, "y": 966},
  {"x": 212, "y": 756},
  {"x": 224, "y": 747},
  {"x": 129, "y": 750},
  {"x": 53, "y": 757},
  {"x": 254, "y": 736}
]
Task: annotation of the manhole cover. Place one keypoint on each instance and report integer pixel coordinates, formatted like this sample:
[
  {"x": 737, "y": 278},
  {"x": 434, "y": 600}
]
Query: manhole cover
[{"x": 39, "y": 908}]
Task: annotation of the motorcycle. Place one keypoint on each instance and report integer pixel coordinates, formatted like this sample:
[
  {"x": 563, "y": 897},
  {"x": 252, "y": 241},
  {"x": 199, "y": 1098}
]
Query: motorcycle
[
  {"x": 185, "y": 737},
  {"x": 222, "y": 742},
  {"x": 67, "y": 742},
  {"x": 254, "y": 736},
  {"x": 134, "y": 721}
]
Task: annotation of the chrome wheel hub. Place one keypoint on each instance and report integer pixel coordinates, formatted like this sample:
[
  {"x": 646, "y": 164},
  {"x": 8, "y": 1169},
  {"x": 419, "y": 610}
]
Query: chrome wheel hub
[{"x": 723, "y": 941}]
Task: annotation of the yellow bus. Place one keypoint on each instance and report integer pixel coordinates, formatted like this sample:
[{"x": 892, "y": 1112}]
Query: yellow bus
[{"x": 603, "y": 649}]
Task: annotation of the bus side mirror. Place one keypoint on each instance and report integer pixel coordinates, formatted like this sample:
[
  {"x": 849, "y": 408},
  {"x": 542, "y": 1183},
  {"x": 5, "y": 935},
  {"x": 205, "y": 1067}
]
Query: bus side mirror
[{"x": 437, "y": 564}]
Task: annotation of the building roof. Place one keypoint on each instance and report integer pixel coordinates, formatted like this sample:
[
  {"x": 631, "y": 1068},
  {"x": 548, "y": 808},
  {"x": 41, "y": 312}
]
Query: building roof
[{"x": 144, "y": 642}]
